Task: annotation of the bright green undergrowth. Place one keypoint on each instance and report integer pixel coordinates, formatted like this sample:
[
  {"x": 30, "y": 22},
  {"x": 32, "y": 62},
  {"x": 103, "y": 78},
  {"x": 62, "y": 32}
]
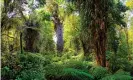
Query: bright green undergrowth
[{"x": 36, "y": 66}]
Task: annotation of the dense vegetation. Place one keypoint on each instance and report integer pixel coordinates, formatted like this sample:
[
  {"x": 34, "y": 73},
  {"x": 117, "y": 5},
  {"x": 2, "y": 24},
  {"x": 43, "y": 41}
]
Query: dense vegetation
[{"x": 66, "y": 39}]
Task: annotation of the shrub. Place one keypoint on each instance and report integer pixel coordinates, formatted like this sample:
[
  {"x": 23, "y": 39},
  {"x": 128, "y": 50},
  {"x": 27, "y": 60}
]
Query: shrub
[
  {"x": 5, "y": 73},
  {"x": 30, "y": 60},
  {"x": 98, "y": 72},
  {"x": 10, "y": 66},
  {"x": 31, "y": 74},
  {"x": 25, "y": 66},
  {"x": 32, "y": 66},
  {"x": 116, "y": 63}
]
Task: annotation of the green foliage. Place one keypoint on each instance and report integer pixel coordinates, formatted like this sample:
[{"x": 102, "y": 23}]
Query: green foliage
[
  {"x": 72, "y": 33},
  {"x": 119, "y": 75},
  {"x": 98, "y": 72},
  {"x": 58, "y": 72},
  {"x": 10, "y": 66},
  {"x": 5, "y": 72},
  {"x": 34, "y": 59},
  {"x": 32, "y": 67},
  {"x": 77, "y": 64},
  {"x": 53, "y": 71},
  {"x": 129, "y": 3},
  {"x": 31, "y": 74},
  {"x": 45, "y": 42},
  {"x": 74, "y": 74},
  {"x": 26, "y": 66},
  {"x": 117, "y": 62},
  {"x": 119, "y": 53},
  {"x": 78, "y": 18}
]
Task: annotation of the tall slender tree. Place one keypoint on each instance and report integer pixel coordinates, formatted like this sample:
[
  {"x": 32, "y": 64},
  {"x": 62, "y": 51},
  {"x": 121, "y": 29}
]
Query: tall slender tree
[
  {"x": 58, "y": 30},
  {"x": 58, "y": 25}
]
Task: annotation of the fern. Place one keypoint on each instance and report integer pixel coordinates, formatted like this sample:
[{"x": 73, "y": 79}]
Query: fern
[
  {"x": 121, "y": 72},
  {"x": 31, "y": 74},
  {"x": 74, "y": 74},
  {"x": 119, "y": 75},
  {"x": 53, "y": 71},
  {"x": 76, "y": 64},
  {"x": 58, "y": 72},
  {"x": 98, "y": 72},
  {"x": 32, "y": 60}
]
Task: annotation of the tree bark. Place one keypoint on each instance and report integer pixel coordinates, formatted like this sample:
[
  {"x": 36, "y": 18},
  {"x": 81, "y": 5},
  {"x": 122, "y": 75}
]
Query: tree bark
[
  {"x": 100, "y": 51},
  {"x": 59, "y": 33},
  {"x": 21, "y": 46},
  {"x": 98, "y": 28},
  {"x": 58, "y": 28}
]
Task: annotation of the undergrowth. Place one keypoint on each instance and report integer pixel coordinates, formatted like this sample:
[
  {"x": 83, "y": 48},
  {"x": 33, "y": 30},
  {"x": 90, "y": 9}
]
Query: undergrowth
[{"x": 29, "y": 66}]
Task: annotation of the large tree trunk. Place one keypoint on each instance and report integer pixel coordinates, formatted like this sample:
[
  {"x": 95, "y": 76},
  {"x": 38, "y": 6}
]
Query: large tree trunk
[
  {"x": 99, "y": 31},
  {"x": 59, "y": 33},
  {"x": 31, "y": 37},
  {"x": 100, "y": 47}
]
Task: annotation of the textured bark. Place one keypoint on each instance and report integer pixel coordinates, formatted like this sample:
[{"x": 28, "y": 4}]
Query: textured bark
[
  {"x": 59, "y": 33},
  {"x": 100, "y": 43},
  {"x": 99, "y": 31}
]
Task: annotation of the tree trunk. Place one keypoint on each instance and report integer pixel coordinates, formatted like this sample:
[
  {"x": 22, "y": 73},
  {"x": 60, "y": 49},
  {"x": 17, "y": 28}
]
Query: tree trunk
[
  {"x": 21, "y": 46},
  {"x": 99, "y": 39},
  {"x": 100, "y": 52},
  {"x": 98, "y": 28},
  {"x": 86, "y": 48},
  {"x": 31, "y": 37},
  {"x": 59, "y": 33}
]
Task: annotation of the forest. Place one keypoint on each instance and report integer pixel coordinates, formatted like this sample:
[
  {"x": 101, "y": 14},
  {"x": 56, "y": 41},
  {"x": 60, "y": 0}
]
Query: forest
[{"x": 66, "y": 39}]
